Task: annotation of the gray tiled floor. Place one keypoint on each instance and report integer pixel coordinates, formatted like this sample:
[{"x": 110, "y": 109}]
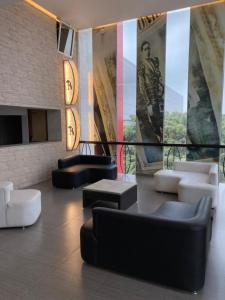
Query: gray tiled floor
[{"x": 43, "y": 261}]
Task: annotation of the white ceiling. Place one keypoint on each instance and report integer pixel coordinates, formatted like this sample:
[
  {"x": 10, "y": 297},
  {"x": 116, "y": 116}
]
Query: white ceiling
[{"x": 91, "y": 13}]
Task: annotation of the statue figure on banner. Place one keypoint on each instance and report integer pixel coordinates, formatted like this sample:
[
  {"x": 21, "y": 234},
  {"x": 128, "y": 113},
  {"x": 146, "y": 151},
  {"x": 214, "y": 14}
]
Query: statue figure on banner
[{"x": 150, "y": 94}]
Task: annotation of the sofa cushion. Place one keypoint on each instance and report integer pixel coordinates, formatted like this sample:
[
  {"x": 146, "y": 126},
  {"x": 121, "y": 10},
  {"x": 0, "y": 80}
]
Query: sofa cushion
[
  {"x": 73, "y": 169},
  {"x": 188, "y": 176},
  {"x": 194, "y": 178},
  {"x": 170, "y": 180},
  {"x": 81, "y": 167},
  {"x": 176, "y": 210}
]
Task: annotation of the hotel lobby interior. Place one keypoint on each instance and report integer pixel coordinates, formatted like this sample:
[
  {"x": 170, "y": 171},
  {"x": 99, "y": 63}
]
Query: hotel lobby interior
[{"x": 112, "y": 150}]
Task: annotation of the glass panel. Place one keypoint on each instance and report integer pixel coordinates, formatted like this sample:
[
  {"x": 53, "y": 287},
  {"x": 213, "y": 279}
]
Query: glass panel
[
  {"x": 129, "y": 93},
  {"x": 176, "y": 90},
  {"x": 86, "y": 89},
  {"x": 105, "y": 89}
]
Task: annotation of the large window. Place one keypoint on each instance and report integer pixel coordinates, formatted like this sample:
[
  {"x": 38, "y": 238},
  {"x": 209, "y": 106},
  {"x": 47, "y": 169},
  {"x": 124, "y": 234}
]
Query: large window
[
  {"x": 86, "y": 88},
  {"x": 156, "y": 79},
  {"x": 129, "y": 92},
  {"x": 176, "y": 89}
]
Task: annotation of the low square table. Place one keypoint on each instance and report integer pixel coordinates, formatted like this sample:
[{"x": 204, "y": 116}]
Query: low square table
[{"x": 122, "y": 192}]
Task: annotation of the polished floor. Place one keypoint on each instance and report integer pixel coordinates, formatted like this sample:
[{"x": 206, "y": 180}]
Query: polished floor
[{"x": 43, "y": 262}]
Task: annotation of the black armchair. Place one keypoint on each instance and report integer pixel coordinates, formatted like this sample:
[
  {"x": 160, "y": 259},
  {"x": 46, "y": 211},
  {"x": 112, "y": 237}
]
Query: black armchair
[{"x": 169, "y": 246}]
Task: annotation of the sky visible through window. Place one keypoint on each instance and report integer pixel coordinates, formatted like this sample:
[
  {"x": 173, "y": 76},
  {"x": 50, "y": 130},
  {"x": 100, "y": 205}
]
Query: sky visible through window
[
  {"x": 129, "y": 68},
  {"x": 130, "y": 40},
  {"x": 177, "y": 56}
]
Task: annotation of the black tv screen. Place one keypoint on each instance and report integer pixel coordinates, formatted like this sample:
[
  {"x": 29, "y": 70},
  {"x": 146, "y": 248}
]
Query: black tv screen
[
  {"x": 10, "y": 130},
  {"x": 65, "y": 40}
]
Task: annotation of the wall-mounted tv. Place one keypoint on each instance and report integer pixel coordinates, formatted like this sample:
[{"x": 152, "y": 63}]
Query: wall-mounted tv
[{"x": 65, "y": 39}]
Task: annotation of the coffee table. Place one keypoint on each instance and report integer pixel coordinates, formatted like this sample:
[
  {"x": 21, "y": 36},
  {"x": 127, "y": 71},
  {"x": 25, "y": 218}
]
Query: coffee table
[{"x": 122, "y": 192}]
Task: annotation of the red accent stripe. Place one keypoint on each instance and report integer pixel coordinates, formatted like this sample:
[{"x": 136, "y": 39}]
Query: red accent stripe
[{"x": 120, "y": 160}]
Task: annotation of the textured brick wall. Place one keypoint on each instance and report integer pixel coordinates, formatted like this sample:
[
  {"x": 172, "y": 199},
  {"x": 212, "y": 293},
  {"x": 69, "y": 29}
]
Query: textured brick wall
[{"x": 31, "y": 75}]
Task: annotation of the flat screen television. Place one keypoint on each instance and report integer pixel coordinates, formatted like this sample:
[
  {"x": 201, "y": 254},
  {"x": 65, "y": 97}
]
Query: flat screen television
[
  {"x": 65, "y": 39},
  {"x": 10, "y": 130}
]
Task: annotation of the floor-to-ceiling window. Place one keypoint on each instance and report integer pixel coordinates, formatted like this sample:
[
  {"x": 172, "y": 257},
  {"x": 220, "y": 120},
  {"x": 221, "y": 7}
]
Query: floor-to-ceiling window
[
  {"x": 129, "y": 92},
  {"x": 157, "y": 79},
  {"x": 176, "y": 87}
]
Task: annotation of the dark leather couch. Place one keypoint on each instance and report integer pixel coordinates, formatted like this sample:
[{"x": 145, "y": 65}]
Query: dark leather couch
[
  {"x": 77, "y": 170},
  {"x": 168, "y": 247}
]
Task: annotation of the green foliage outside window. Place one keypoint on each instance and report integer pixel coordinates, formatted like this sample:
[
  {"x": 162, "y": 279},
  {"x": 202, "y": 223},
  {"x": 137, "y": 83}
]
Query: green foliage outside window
[{"x": 175, "y": 126}]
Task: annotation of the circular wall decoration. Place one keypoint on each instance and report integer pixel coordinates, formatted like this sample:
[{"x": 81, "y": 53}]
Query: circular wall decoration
[
  {"x": 71, "y": 82},
  {"x": 73, "y": 128}
]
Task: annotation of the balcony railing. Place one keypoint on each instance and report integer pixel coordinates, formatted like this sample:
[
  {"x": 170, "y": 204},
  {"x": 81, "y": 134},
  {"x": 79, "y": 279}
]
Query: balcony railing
[{"x": 128, "y": 152}]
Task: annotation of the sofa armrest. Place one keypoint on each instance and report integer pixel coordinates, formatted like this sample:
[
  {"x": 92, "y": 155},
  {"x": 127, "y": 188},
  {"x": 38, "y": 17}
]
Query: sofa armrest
[
  {"x": 213, "y": 175},
  {"x": 6, "y": 185},
  {"x": 5, "y": 190},
  {"x": 88, "y": 243},
  {"x": 68, "y": 161}
]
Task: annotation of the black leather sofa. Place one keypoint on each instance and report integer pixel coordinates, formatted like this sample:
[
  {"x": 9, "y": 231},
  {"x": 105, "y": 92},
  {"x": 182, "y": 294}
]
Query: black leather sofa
[
  {"x": 168, "y": 247},
  {"x": 77, "y": 170}
]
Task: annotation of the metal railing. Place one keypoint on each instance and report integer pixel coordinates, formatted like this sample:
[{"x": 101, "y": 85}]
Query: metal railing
[{"x": 174, "y": 151}]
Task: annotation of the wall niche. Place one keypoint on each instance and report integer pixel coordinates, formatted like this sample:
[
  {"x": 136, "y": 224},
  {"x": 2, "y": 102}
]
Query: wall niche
[{"x": 21, "y": 125}]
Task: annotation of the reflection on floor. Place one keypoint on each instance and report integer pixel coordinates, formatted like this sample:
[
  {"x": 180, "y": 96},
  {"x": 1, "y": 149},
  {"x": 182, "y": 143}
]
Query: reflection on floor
[{"x": 43, "y": 261}]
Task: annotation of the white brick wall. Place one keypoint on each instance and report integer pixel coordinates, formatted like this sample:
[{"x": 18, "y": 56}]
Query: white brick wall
[{"x": 31, "y": 75}]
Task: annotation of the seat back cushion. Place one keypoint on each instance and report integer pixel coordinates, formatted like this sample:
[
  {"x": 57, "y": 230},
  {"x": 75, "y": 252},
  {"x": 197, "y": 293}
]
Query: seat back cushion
[
  {"x": 95, "y": 159},
  {"x": 203, "y": 207},
  {"x": 190, "y": 166},
  {"x": 176, "y": 210}
]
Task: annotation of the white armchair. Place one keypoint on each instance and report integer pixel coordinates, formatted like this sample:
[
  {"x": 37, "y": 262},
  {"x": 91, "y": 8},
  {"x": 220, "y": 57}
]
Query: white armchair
[
  {"x": 190, "y": 180},
  {"x": 18, "y": 208}
]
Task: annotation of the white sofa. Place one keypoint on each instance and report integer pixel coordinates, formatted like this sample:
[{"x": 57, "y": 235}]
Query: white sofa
[
  {"x": 18, "y": 208},
  {"x": 190, "y": 180}
]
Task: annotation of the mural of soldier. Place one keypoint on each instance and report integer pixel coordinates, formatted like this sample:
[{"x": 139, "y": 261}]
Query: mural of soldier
[
  {"x": 151, "y": 52},
  {"x": 150, "y": 93}
]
